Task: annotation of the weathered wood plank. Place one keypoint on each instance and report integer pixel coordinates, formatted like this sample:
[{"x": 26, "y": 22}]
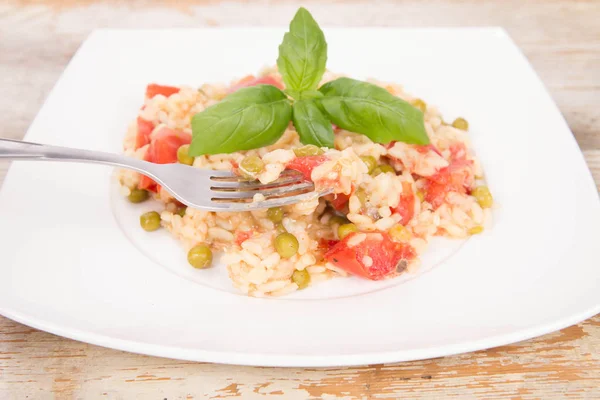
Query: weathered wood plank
[{"x": 546, "y": 367}]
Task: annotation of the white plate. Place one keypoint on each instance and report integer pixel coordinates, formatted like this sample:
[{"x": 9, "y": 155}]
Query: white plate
[{"x": 75, "y": 264}]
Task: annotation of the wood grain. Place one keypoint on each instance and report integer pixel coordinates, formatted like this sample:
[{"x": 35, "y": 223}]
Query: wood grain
[{"x": 560, "y": 38}]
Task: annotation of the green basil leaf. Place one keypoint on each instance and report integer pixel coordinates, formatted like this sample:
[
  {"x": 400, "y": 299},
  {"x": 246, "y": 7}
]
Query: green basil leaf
[
  {"x": 371, "y": 110},
  {"x": 250, "y": 118},
  {"x": 312, "y": 126},
  {"x": 303, "y": 53},
  {"x": 292, "y": 93},
  {"x": 310, "y": 94}
]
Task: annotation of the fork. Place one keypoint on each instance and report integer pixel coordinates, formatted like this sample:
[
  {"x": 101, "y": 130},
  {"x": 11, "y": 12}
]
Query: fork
[{"x": 197, "y": 188}]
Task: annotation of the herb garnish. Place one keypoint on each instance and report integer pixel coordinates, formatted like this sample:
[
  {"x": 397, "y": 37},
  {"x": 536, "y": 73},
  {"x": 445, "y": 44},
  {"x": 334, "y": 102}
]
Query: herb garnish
[{"x": 257, "y": 116}]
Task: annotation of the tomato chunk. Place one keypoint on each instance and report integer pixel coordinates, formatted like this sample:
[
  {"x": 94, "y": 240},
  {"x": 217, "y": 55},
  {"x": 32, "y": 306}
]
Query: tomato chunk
[
  {"x": 165, "y": 143},
  {"x": 242, "y": 236},
  {"x": 458, "y": 151},
  {"x": 251, "y": 80},
  {"x": 406, "y": 205},
  {"x": 435, "y": 194},
  {"x": 426, "y": 148},
  {"x": 457, "y": 177},
  {"x": 148, "y": 184},
  {"x": 339, "y": 201},
  {"x": 144, "y": 129},
  {"x": 374, "y": 258},
  {"x": 153, "y": 89},
  {"x": 163, "y": 150},
  {"x": 327, "y": 244},
  {"x": 306, "y": 164}
]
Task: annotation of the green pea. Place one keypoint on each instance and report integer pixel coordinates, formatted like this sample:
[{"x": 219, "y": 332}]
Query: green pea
[
  {"x": 301, "y": 278},
  {"x": 200, "y": 256},
  {"x": 476, "y": 230},
  {"x": 420, "y": 104},
  {"x": 138, "y": 195},
  {"x": 275, "y": 214},
  {"x": 308, "y": 150},
  {"x": 346, "y": 229},
  {"x": 483, "y": 196},
  {"x": 251, "y": 166},
  {"x": 461, "y": 123},
  {"x": 370, "y": 161},
  {"x": 362, "y": 196},
  {"x": 181, "y": 211},
  {"x": 383, "y": 169},
  {"x": 150, "y": 221},
  {"x": 337, "y": 220},
  {"x": 286, "y": 245},
  {"x": 183, "y": 155}
]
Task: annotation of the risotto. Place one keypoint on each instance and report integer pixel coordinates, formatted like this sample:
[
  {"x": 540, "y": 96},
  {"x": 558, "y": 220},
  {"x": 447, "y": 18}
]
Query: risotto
[{"x": 388, "y": 200}]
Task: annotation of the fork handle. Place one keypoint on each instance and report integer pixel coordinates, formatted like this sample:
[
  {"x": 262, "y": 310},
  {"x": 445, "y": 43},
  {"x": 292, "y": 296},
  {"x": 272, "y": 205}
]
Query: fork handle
[{"x": 18, "y": 150}]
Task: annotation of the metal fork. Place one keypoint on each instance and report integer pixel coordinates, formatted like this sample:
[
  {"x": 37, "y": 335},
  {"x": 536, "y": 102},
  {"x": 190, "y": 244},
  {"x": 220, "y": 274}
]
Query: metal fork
[{"x": 198, "y": 188}]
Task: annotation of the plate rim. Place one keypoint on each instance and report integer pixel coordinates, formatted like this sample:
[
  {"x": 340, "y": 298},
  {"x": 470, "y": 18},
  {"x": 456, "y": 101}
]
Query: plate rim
[{"x": 299, "y": 360}]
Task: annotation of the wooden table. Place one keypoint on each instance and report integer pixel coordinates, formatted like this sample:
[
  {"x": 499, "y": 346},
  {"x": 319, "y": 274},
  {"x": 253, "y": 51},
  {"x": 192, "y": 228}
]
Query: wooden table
[{"x": 560, "y": 38}]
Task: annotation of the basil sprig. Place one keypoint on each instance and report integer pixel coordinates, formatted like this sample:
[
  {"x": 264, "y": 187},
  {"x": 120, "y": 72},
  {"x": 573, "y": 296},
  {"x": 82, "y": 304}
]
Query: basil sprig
[{"x": 257, "y": 116}]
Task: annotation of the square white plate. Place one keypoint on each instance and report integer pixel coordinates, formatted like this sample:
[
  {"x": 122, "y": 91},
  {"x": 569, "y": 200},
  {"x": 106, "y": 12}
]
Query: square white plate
[{"x": 69, "y": 265}]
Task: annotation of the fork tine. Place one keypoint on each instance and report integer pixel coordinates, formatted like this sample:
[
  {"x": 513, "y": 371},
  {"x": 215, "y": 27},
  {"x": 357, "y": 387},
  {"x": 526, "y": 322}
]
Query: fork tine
[
  {"x": 218, "y": 174},
  {"x": 272, "y": 192},
  {"x": 247, "y": 185},
  {"x": 241, "y": 205},
  {"x": 226, "y": 176}
]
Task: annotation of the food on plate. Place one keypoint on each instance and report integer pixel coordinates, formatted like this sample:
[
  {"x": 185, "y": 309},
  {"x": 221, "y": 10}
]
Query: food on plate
[
  {"x": 150, "y": 221},
  {"x": 200, "y": 256},
  {"x": 399, "y": 173}
]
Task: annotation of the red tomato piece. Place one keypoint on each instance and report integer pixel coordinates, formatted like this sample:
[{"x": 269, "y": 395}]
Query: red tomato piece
[
  {"x": 435, "y": 194},
  {"x": 406, "y": 205},
  {"x": 163, "y": 150},
  {"x": 144, "y": 129},
  {"x": 339, "y": 201},
  {"x": 251, "y": 80},
  {"x": 327, "y": 244},
  {"x": 165, "y": 143},
  {"x": 242, "y": 236},
  {"x": 148, "y": 184},
  {"x": 426, "y": 148},
  {"x": 386, "y": 256},
  {"x": 458, "y": 151},
  {"x": 457, "y": 177},
  {"x": 153, "y": 89},
  {"x": 235, "y": 168},
  {"x": 306, "y": 164}
]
